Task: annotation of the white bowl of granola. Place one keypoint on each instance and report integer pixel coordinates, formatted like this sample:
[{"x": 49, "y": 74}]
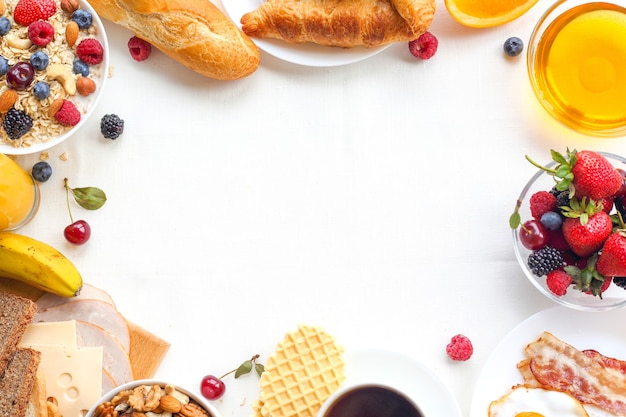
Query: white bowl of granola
[
  {"x": 74, "y": 75},
  {"x": 157, "y": 398}
]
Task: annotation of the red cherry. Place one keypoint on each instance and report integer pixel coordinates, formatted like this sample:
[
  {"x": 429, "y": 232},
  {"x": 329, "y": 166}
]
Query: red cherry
[
  {"x": 77, "y": 232},
  {"x": 212, "y": 387},
  {"x": 533, "y": 235}
]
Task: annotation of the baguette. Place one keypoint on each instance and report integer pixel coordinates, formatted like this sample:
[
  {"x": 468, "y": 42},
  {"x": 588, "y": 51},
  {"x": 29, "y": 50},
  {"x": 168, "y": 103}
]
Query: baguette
[{"x": 193, "y": 32}]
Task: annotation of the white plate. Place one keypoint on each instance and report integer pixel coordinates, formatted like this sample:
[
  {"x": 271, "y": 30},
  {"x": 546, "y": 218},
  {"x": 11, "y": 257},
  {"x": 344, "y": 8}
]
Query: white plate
[
  {"x": 392, "y": 369},
  {"x": 584, "y": 330},
  {"x": 308, "y": 54},
  {"x": 90, "y": 102}
]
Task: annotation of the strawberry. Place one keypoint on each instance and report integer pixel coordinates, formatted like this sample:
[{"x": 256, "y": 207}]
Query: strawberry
[
  {"x": 29, "y": 11},
  {"x": 612, "y": 260},
  {"x": 586, "y": 226},
  {"x": 584, "y": 174},
  {"x": 594, "y": 176}
]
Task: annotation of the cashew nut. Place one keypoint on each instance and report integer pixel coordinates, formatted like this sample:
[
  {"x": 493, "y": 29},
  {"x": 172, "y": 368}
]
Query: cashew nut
[
  {"x": 63, "y": 75},
  {"x": 18, "y": 43}
]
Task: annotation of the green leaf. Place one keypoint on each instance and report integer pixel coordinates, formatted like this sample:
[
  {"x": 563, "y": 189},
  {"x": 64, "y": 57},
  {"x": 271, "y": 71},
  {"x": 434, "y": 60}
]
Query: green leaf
[
  {"x": 558, "y": 157},
  {"x": 243, "y": 369},
  {"x": 259, "y": 368},
  {"x": 90, "y": 198},
  {"x": 515, "y": 220}
]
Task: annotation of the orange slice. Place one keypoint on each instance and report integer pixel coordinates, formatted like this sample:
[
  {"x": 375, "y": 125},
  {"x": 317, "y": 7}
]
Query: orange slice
[{"x": 487, "y": 13}]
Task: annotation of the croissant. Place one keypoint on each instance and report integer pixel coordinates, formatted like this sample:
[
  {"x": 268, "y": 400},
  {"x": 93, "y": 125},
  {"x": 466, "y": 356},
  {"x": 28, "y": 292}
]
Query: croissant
[{"x": 343, "y": 23}]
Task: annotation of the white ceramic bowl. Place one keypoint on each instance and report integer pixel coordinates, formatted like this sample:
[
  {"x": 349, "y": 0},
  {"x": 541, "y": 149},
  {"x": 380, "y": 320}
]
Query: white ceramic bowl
[
  {"x": 98, "y": 74},
  {"x": 212, "y": 412},
  {"x": 614, "y": 297}
]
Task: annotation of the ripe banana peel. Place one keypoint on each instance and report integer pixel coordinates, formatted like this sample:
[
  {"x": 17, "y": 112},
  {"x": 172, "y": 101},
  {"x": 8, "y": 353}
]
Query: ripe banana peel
[{"x": 38, "y": 264}]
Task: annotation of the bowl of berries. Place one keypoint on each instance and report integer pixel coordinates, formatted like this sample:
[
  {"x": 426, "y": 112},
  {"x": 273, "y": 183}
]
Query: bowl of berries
[
  {"x": 153, "y": 398},
  {"x": 569, "y": 232},
  {"x": 53, "y": 67}
]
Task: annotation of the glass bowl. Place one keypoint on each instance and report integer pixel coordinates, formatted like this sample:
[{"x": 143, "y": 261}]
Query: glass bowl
[
  {"x": 86, "y": 104},
  {"x": 614, "y": 297},
  {"x": 197, "y": 399},
  {"x": 577, "y": 78}
]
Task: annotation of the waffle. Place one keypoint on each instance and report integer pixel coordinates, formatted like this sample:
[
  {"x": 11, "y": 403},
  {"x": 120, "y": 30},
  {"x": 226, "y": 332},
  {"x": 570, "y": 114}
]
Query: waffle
[{"x": 307, "y": 367}]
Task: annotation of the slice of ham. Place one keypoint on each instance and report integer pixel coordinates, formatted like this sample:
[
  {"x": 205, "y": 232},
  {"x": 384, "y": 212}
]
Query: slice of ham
[
  {"x": 88, "y": 292},
  {"x": 97, "y": 312},
  {"x": 115, "y": 361},
  {"x": 587, "y": 377}
]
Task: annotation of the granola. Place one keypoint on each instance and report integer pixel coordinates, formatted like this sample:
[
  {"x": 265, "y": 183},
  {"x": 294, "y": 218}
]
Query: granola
[{"x": 16, "y": 47}]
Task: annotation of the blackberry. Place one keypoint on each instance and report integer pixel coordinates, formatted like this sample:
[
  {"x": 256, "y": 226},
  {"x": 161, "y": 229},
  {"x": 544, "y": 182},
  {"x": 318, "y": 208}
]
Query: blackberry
[
  {"x": 111, "y": 126},
  {"x": 544, "y": 261},
  {"x": 16, "y": 123},
  {"x": 562, "y": 200},
  {"x": 620, "y": 282}
]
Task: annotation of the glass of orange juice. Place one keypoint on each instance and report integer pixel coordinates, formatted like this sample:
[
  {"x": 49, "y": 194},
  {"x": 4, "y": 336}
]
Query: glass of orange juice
[
  {"x": 19, "y": 195},
  {"x": 576, "y": 61}
]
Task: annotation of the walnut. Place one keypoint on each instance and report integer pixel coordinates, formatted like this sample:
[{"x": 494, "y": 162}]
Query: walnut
[
  {"x": 105, "y": 409},
  {"x": 192, "y": 410},
  {"x": 145, "y": 398}
]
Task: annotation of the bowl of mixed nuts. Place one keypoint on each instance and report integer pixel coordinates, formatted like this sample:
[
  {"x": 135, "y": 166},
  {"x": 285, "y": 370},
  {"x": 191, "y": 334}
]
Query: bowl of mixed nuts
[
  {"x": 154, "y": 398},
  {"x": 53, "y": 67}
]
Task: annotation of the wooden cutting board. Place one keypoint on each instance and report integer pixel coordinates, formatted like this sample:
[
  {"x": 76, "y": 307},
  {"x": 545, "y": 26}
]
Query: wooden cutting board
[{"x": 146, "y": 350}]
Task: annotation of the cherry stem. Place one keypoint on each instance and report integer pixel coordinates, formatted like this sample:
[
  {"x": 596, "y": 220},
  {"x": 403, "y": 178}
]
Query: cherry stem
[
  {"x": 254, "y": 358},
  {"x": 67, "y": 198}
]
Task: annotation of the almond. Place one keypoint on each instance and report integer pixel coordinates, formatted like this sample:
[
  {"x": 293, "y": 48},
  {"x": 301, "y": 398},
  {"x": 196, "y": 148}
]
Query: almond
[
  {"x": 7, "y": 100},
  {"x": 71, "y": 33},
  {"x": 85, "y": 86},
  {"x": 55, "y": 107},
  {"x": 170, "y": 404}
]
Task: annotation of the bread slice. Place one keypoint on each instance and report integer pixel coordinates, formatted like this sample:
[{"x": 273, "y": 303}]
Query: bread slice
[
  {"x": 38, "y": 404},
  {"x": 16, "y": 313},
  {"x": 16, "y": 384}
]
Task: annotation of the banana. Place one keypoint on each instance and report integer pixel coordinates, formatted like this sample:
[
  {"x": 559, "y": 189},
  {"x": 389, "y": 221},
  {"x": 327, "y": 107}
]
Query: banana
[{"x": 38, "y": 264}]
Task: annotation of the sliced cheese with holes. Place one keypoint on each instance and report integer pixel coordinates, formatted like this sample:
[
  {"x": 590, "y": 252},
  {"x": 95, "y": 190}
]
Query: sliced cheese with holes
[
  {"x": 73, "y": 376},
  {"x": 50, "y": 333}
]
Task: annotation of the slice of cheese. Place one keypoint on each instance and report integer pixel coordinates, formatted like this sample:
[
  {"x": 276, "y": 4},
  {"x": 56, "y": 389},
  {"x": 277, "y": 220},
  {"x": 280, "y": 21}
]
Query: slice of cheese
[
  {"x": 73, "y": 376},
  {"x": 50, "y": 333}
]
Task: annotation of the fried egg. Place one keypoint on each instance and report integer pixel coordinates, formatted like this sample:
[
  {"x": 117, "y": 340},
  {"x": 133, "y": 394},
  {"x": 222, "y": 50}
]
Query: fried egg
[{"x": 536, "y": 402}]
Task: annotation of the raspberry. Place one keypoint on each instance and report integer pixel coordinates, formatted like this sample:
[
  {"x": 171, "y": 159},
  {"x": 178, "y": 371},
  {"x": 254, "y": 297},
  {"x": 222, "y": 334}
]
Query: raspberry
[
  {"x": 542, "y": 202},
  {"x": 558, "y": 281},
  {"x": 40, "y": 32},
  {"x": 90, "y": 51},
  {"x": 424, "y": 47},
  {"x": 139, "y": 49},
  {"x": 460, "y": 348},
  {"x": 68, "y": 114}
]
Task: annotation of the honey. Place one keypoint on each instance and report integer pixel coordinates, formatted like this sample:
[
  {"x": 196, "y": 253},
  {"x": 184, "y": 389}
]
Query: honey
[{"x": 580, "y": 68}]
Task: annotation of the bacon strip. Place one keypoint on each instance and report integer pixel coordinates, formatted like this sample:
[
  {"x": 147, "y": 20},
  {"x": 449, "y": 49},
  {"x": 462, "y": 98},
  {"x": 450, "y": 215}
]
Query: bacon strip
[{"x": 590, "y": 377}]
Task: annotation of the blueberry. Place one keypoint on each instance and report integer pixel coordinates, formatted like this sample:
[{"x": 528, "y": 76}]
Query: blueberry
[
  {"x": 42, "y": 171},
  {"x": 82, "y": 18},
  {"x": 79, "y": 67},
  {"x": 5, "y": 26},
  {"x": 551, "y": 220},
  {"x": 4, "y": 65},
  {"x": 41, "y": 90},
  {"x": 513, "y": 46},
  {"x": 39, "y": 60}
]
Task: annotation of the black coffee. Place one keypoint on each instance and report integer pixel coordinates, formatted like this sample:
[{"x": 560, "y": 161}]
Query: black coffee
[{"x": 372, "y": 401}]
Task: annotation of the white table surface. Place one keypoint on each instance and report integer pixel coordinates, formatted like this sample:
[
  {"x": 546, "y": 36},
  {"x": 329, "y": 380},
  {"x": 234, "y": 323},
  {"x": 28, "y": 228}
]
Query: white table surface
[{"x": 371, "y": 199}]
